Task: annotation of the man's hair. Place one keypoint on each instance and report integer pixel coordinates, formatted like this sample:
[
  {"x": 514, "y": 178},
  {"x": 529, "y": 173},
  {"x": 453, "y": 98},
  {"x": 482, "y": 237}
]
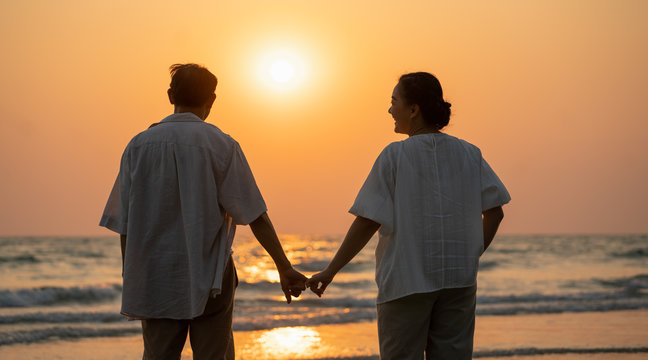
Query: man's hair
[{"x": 191, "y": 84}]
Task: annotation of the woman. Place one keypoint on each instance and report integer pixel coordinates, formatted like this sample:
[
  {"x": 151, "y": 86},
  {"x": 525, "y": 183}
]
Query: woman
[{"x": 438, "y": 205}]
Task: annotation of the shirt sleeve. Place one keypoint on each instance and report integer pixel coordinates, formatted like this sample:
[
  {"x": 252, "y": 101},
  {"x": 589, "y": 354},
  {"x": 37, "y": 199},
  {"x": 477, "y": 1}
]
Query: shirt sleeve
[
  {"x": 375, "y": 200},
  {"x": 239, "y": 194},
  {"x": 115, "y": 215},
  {"x": 493, "y": 191}
]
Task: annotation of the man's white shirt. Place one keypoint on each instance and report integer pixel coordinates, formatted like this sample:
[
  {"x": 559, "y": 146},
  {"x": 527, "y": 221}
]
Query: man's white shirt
[{"x": 182, "y": 188}]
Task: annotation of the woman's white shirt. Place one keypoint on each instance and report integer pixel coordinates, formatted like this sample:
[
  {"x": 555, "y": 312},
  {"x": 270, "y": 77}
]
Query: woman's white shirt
[{"x": 428, "y": 193}]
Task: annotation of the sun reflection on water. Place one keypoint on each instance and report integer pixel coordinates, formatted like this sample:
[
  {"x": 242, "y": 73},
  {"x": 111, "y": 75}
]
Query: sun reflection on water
[
  {"x": 290, "y": 343},
  {"x": 260, "y": 272}
]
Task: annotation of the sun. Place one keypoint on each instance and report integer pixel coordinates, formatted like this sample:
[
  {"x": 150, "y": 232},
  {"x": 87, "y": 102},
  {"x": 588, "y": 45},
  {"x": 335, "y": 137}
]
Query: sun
[{"x": 282, "y": 70}]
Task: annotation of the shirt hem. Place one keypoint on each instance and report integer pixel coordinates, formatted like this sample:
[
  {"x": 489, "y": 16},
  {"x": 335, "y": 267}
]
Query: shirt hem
[{"x": 380, "y": 300}]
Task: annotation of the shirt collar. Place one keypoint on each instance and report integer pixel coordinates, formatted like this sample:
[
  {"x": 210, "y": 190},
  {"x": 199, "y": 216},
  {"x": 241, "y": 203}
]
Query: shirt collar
[{"x": 182, "y": 117}]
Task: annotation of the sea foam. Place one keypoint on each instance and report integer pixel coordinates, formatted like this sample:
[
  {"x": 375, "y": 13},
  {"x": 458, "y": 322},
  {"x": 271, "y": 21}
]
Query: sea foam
[{"x": 53, "y": 295}]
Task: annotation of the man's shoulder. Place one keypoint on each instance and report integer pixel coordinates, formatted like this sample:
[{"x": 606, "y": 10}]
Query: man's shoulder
[
  {"x": 216, "y": 136},
  {"x": 200, "y": 134}
]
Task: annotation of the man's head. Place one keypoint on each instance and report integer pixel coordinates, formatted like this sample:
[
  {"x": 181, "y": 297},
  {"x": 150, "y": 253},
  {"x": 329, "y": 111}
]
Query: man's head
[{"x": 192, "y": 87}]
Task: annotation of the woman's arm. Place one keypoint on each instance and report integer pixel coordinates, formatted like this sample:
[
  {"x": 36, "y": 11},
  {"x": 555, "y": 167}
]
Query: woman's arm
[
  {"x": 355, "y": 240},
  {"x": 491, "y": 220}
]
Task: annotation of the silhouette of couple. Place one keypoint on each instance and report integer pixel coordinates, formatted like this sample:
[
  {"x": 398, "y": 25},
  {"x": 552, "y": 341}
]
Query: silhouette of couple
[{"x": 184, "y": 185}]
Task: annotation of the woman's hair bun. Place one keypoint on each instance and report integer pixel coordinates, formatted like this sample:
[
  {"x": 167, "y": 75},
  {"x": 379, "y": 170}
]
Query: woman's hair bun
[{"x": 424, "y": 89}]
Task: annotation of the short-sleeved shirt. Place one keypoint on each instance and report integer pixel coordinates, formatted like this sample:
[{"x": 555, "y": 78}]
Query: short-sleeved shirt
[
  {"x": 182, "y": 187},
  {"x": 428, "y": 193}
]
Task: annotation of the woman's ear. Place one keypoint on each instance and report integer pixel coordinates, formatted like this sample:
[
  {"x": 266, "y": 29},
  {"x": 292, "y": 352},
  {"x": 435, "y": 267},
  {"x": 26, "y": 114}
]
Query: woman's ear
[{"x": 415, "y": 110}]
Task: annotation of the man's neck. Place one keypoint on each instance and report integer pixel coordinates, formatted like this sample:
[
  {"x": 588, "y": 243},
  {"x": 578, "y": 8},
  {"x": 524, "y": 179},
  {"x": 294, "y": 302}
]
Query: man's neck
[{"x": 198, "y": 111}]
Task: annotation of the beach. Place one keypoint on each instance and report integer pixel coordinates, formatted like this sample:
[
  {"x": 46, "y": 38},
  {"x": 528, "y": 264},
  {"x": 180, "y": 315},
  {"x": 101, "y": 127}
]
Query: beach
[
  {"x": 591, "y": 335},
  {"x": 539, "y": 297}
]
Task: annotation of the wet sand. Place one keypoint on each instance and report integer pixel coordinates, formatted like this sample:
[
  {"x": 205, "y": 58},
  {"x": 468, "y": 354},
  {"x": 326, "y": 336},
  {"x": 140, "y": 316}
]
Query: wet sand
[{"x": 504, "y": 337}]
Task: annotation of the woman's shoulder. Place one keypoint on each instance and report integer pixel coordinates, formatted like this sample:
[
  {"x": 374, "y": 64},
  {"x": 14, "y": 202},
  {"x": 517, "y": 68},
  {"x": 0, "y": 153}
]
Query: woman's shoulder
[
  {"x": 389, "y": 153},
  {"x": 393, "y": 148},
  {"x": 464, "y": 144}
]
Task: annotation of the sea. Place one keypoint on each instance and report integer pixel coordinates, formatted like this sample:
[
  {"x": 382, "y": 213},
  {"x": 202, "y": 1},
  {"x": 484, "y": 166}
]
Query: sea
[{"x": 65, "y": 288}]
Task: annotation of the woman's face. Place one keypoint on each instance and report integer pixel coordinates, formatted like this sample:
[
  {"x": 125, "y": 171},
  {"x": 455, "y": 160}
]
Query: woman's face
[{"x": 401, "y": 112}]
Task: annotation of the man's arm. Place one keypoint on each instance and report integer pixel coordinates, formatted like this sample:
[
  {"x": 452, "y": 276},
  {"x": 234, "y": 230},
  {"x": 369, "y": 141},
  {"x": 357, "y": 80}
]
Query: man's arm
[
  {"x": 122, "y": 237},
  {"x": 491, "y": 220},
  {"x": 355, "y": 240},
  {"x": 292, "y": 282}
]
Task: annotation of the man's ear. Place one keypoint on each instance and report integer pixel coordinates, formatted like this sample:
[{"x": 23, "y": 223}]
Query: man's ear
[
  {"x": 170, "y": 93},
  {"x": 211, "y": 100}
]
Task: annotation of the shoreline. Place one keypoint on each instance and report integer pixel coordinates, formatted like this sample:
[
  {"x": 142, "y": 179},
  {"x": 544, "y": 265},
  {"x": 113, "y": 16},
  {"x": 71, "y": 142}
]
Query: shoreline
[{"x": 592, "y": 335}]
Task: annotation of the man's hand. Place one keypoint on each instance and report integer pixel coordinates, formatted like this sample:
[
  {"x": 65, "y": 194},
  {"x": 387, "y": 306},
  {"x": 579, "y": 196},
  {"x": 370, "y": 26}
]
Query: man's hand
[
  {"x": 292, "y": 283},
  {"x": 318, "y": 282}
]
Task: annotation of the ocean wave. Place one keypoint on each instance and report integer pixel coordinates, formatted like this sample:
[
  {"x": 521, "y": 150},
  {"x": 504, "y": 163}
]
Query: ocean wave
[
  {"x": 523, "y": 352},
  {"x": 240, "y": 324},
  {"x": 487, "y": 265},
  {"x": 535, "y": 298},
  {"x": 52, "y": 295},
  {"x": 257, "y": 285},
  {"x": 342, "y": 302},
  {"x": 562, "y": 307},
  {"x": 632, "y": 254},
  {"x": 63, "y": 333},
  {"x": 341, "y": 311},
  {"x": 19, "y": 259},
  {"x": 327, "y": 301},
  {"x": 84, "y": 254},
  {"x": 631, "y": 283},
  {"x": 273, "y": 286},
  {"x": 561, "y": 303},
  {"x": 312, "y": 266},
  {"x": 324, "y": 302},
  {"x": 62, "y": 317},
  {"x": 344, "y": 317},
  {"x": 374, "y": 357},
  {"x": 486, "y": 305},
  {"x": 554, "y": 351},
  {"x": 352, "y": 267}
]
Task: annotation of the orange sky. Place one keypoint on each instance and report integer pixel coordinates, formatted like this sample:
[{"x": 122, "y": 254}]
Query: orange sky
[{"x": 553, "y": 92}]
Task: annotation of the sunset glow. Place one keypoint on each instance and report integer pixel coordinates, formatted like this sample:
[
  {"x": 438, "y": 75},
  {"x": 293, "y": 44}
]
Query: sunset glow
[{"x": 551, "y": 92}]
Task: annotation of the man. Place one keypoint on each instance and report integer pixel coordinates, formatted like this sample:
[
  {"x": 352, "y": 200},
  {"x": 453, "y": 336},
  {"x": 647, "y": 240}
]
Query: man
[{"x": 182, "y": 188}]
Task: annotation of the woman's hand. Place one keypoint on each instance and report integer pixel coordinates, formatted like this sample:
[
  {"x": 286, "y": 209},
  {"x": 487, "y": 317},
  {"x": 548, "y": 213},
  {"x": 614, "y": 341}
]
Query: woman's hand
[
  {"x": 318, "y": 282},
  {"x": 356, "y": 238}
]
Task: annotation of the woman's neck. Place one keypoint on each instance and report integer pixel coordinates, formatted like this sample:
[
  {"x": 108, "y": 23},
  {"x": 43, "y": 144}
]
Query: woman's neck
[{"x": 423, "y": 130}]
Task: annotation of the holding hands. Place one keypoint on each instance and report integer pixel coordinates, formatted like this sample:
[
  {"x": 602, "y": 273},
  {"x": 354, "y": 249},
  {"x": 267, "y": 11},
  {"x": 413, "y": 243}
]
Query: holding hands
[
  {"x": 318, "y": 282},
  {"x": 292, "y": 281}
]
